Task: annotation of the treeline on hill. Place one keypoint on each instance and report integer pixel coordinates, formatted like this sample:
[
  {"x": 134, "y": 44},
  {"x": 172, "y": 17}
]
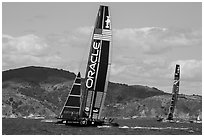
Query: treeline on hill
[{"x": 41, "y": 90}]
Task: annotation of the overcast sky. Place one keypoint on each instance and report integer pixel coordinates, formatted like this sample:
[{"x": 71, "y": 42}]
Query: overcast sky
[{"x": 148, "y": 40}]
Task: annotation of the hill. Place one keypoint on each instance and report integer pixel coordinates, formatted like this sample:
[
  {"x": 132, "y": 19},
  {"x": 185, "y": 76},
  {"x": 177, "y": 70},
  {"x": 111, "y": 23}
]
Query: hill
[{"x": 42, "y": 91}]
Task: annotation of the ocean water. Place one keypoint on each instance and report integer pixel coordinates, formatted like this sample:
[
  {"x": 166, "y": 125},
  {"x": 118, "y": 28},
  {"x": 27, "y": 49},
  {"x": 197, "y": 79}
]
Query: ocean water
[{"x": 140, "y": 126}]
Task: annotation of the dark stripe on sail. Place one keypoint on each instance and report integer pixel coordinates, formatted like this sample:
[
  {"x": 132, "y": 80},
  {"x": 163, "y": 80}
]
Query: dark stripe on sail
[
  {"x": 78, "y": 80},
  {"x": 103, "y": 65},
  {"x": 73, "y": 101},
  {"x": 76, "y": 90},
  {"x": 70, "y": 113},
  {"x": 72, "y": 105},
  {"x": 99, "y": 19}
]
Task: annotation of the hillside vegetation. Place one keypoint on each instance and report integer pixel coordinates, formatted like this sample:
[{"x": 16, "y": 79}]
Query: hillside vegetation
[{"x": 42, "y": 91}]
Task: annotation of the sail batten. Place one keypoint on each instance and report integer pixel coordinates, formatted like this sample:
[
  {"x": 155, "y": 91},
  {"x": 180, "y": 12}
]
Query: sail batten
[
  {"x": 75, "y": 95},
  {"x": 71, "y": 107}
]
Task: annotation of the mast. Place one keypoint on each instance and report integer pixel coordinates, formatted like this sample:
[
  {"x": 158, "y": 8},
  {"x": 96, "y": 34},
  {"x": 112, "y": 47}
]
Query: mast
[
  {"x": 96, "y": 77},
  {"x": 175, "y": 92},
  {"x": 72, "y": 106}
]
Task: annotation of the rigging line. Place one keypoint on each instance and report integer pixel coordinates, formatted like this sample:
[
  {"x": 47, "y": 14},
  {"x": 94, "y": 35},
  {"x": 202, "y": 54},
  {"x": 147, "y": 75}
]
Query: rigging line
[
  {"x": 88, "y": 43},
  {"x": 111, "y": 43},
  {"x": 86, "y": 47}
]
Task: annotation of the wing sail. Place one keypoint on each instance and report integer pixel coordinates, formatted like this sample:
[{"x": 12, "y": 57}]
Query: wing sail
[
  {"x": 96, "y": 78},
  {"x": 175, "y": 92}
]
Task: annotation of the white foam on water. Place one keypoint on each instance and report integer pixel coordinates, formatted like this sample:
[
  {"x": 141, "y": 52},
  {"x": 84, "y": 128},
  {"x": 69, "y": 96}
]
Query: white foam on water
[
  {"x": 156, "y": 128},
  {"x": 105, "y": 126},
  {"x": 160, "y": 128},
  {"x": 49, "y": 120},
  {"x": 124, "y": 127}
]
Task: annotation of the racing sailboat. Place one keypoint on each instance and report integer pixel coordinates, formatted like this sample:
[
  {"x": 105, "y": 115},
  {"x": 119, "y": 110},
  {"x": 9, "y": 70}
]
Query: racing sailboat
[
  {"x": 174, "y": 98},
  {"x": 85, "y": 108},
  {"x": 175, "y": 92}
]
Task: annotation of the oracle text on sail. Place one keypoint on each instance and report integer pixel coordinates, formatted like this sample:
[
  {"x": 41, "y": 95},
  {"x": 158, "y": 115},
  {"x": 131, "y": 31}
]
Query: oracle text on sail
[{"x": 94, "y": 57}]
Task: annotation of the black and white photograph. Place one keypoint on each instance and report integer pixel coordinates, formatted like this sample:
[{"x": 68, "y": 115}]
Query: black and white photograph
[{"x": 101, "y": 68}]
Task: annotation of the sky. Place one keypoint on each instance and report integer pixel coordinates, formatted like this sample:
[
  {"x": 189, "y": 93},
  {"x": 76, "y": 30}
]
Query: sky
[{"x": 149, "y": 39}]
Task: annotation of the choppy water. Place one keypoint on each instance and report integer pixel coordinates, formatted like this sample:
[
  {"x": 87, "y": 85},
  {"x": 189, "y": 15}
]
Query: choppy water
[{"x": 21, "y": 126}]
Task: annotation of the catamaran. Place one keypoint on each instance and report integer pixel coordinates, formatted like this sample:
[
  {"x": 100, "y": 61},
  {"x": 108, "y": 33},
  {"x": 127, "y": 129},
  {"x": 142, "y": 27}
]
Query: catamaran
[
  {"x": 174, "y": 98},
  {"x": 175, "y": 92},
  {"x": 85, "y": 108}
]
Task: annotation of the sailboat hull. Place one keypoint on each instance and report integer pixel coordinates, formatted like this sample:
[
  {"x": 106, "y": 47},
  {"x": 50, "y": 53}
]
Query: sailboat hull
[{"x": 86, "y": 122}]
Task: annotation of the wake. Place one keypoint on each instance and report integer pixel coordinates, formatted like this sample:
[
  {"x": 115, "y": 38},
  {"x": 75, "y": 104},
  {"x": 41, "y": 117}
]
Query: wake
[{"x": 149, "y": 128}]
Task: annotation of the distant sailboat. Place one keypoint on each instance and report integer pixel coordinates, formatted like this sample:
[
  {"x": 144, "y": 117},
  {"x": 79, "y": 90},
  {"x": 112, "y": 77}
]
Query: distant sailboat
[
  {"x": 86, "y": 109},
  {"x": 175, "y": 92}
]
